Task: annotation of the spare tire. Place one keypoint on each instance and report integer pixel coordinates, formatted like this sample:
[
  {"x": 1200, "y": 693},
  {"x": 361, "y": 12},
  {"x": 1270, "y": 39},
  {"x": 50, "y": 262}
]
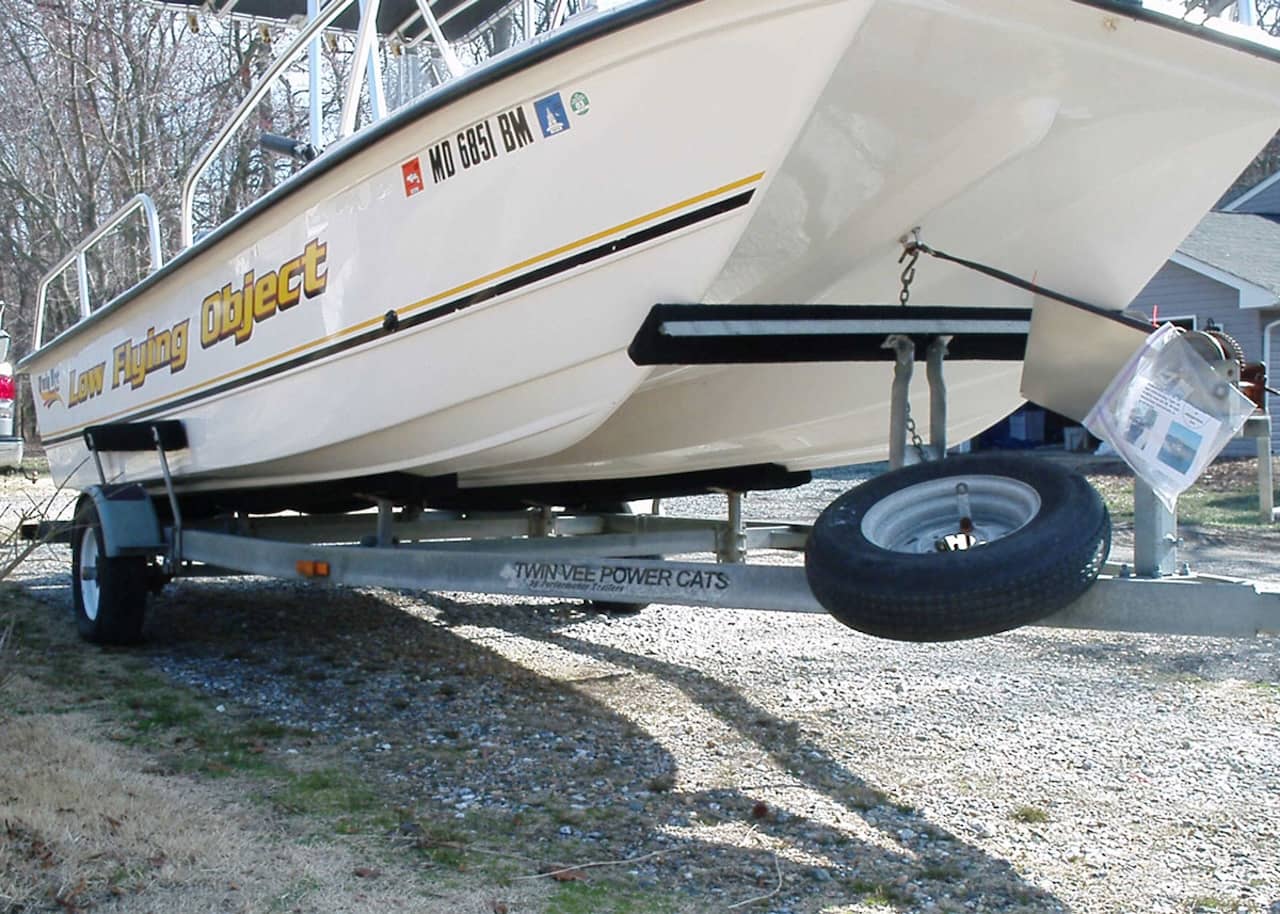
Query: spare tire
[{"x": 959, "y": 548}]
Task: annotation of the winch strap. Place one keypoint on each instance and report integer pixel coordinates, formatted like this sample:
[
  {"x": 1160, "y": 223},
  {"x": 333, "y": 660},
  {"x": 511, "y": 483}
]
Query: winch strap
[{"x": 1019, "y": 282}]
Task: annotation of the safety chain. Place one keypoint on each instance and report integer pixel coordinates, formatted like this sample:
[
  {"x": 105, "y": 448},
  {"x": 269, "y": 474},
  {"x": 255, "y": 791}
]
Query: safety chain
[
  {"x": 916, "y": 441},
  {"x": 910, "y": 253},
  {"x": 911, "y": 248}
]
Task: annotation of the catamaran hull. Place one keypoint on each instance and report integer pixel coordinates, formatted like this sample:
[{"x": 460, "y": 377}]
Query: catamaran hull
[
  {"x": 457, "y": 296},
  {"x": 462, "y": 291},
  {"x": 1060, "y": 142}
]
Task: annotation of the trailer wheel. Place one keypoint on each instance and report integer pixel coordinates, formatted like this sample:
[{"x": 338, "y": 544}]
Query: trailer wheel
[
  {"x": 109, "y": 594},
  {"x": 959, "y": 548}
]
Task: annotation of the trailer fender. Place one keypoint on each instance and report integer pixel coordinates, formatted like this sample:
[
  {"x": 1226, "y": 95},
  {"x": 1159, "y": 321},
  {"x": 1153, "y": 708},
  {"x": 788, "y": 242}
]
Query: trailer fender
[{"x": 127, "y": 518}]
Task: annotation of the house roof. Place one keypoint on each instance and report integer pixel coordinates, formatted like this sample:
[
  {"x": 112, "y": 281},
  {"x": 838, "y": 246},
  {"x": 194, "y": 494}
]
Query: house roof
[
  {"x": 1243, "y": 245},
  {"x": 1263, "y": 197}
]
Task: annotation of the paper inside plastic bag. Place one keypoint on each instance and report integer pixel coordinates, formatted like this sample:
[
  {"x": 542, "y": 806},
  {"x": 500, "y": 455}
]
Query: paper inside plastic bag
[{"x": 1168, "y": 414}]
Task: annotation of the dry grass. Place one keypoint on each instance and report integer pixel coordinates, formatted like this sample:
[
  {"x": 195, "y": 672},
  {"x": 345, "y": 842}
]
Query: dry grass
[
  {"x": 84, "y": 829},
  {"x": 94, "y": 819},
  {"x": 87, "y": 832},
  {"x": 93, "y": 816}
]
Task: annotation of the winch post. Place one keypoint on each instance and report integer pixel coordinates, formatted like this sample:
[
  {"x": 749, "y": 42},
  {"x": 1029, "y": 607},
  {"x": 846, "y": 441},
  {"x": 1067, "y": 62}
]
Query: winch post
[
  {"x": 542, "y": 522},
  {"x": 733, "y": 547},
  {"x": 937, "y": 353},
  {"x": 386, "y": 518},
  {"x": 904, "y": 357},
  {"x": 1155, "y": 534}
]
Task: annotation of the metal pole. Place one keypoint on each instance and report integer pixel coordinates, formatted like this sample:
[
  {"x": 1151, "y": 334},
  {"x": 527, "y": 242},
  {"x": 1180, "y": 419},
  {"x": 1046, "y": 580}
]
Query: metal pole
[
  {"x": 437, "y": 35},
  {"x": 386, "y": 517},
  {"x": 82, "y": 275},
  {"x": 139, "y": 201},
  {"x": 365, "y": 36},
  {"x": 289, "y": 55},
  {"x": 904, "y": 352},
  {"x": 1266, "y": 487},
  {"x": 733, "y": 550},
  {"x": 937, "y": 353},
  {"x": 313, "y": 79},
  {"x": 377, "y": 99},
  {"x": 542, "y": 522},
  {"x": 1155, "y": 534},
  {"x": 175, "y": 559},
  {"x": 97, "y": 459}
]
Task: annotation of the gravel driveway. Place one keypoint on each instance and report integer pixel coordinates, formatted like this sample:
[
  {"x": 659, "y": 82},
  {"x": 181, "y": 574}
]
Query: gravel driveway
[{"x": 750, "y": 755}]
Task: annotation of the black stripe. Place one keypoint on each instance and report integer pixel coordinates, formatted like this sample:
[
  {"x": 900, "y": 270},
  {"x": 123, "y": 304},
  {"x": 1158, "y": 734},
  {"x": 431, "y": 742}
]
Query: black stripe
[{"x": 609, "y": 248}]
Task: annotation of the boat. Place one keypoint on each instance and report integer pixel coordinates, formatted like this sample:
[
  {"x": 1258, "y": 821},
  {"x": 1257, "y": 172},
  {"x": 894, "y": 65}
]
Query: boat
[{"x": 441, "y": 307}]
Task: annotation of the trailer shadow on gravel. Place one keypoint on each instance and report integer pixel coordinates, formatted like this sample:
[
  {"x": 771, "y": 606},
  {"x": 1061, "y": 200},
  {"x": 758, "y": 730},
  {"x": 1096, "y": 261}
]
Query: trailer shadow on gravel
[
  {"x": 1207, "y": 660},
  {"x": 891, "y": 853},
  {"x": 493, "y": 725}
]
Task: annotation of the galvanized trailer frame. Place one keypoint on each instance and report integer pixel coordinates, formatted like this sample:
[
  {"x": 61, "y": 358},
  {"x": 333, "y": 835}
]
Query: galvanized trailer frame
[
  {"x": 608, "y": 558},
  {"x": 634, "y": 559}
]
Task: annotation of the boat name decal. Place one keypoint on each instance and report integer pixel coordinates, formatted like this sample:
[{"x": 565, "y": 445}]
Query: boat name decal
[
  {"x": 49, "y": 386},
  {"x": 228, "y": 313},
  {"x": 85, "y": 385},
  {"x": 132, "y": 362},
  {"x": 482, "y": 142},
  {"x": 232, "y": 312}
]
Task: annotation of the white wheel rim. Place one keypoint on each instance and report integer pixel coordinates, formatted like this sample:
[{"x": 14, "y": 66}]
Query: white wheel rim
[
  {"x": 88, "y": 573},
  {"x": 927, "y": 517}
]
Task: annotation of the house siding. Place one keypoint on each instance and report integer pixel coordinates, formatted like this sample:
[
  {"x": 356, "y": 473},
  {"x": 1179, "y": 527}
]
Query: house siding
[
  {"x": 1180, "y": 292},
  {"x": 1273, "y": 372}
]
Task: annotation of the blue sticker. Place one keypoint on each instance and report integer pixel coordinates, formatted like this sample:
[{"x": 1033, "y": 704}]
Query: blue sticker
[{"x": 551, "y": 115}]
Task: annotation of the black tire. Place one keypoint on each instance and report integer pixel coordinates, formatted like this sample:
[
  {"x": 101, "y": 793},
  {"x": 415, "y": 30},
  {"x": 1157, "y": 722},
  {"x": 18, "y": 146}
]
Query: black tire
[
  {"x": 109, "y": 594},
  {"x": 615, "y": 607},
  {"x": 907, "y": 591}
]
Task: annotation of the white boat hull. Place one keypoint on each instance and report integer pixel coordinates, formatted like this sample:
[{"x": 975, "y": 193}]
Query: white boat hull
[
  {"x": 465, "y": 293},
  {"x": 1058, "y": 142}
]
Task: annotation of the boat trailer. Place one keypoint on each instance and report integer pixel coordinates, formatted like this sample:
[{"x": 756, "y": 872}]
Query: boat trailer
[{"x": 620, "y": 561}]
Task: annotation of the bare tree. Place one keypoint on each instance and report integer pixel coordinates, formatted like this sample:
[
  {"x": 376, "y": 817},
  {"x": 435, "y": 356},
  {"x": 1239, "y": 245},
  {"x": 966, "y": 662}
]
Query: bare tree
[
  {"x": 1267, "y": 161},
  {"x": 1269, "y": 15},
  {"x": 104, "y": 100}
]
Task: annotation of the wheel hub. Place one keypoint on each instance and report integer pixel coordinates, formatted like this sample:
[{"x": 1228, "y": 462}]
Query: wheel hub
[{"x": 951, "y": 514}]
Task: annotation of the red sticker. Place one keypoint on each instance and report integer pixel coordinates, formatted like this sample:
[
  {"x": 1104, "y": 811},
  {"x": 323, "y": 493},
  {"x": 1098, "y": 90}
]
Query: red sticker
[{"x": 412, "y": 170}]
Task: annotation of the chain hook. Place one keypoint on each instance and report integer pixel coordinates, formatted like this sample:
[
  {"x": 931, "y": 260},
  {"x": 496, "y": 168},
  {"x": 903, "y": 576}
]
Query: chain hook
[{"x": 911, "y": 247}]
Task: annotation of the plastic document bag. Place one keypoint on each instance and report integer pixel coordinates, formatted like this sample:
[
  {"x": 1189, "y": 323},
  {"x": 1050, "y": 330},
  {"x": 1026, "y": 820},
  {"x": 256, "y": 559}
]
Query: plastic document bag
[{"x": 1168, "y": 414}]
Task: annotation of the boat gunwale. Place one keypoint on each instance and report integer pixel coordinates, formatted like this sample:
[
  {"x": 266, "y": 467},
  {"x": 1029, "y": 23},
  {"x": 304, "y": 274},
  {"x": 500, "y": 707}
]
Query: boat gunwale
[{"x": 544, "y": 48}]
